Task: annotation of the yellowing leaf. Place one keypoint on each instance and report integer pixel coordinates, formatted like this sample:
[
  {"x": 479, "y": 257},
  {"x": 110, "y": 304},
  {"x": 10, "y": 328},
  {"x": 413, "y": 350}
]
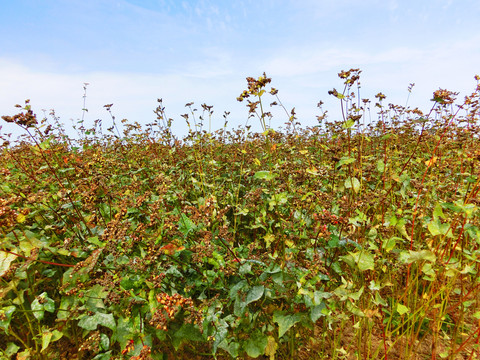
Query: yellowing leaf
[
  {"x": 5, "y": 261},
  {"x": 257, "y": 162},
  {"x": 21, "y": 218},
  {"x": 402, "y": 309},
  {"x": 303, "y": 152},
  {"x": 271, "y": 348},
  {"x": 269, "y": 238},
  {"x": 312, "y": 170},
  {"x": 432, "y": 161}
]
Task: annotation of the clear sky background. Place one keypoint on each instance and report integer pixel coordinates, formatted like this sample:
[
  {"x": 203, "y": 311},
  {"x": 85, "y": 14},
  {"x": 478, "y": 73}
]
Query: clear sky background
[{"x": 132, "y": 52}]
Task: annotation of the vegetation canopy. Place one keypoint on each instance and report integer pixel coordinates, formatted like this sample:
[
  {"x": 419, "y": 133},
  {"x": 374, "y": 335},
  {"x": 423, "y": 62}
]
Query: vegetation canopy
[{"x": 352, "y": 239}]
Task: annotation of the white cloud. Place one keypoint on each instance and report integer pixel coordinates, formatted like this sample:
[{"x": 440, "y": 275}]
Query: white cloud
[{"x": 133, "y": 95}]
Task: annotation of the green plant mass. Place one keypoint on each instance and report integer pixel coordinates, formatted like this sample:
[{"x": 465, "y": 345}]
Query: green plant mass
[{"x": 352, "y": 239}]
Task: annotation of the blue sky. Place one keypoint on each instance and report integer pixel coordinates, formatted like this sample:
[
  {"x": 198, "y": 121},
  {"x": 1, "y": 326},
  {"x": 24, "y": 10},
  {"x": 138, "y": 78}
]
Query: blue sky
[{"x": 132, "y": 52}]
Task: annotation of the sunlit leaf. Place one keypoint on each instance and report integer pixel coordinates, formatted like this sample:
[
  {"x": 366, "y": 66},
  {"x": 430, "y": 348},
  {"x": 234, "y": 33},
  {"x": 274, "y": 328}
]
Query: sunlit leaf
[
  {"x": 352, "y": 183},
  {"x": 264, "y": 175},
  {"x": 408, "y": 257},
  {"x": 345, "y": 161},
  {"x": 402, "y": 309},
  {"x": 5, "y": 260}
]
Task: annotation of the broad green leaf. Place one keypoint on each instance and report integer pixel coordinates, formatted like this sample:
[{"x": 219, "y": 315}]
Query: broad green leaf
[
  {"x": 94, "y": 296},
  {"x": 221, "y": 332},
  {"x": 402, "y": 309},
  {"x": 5, "y": 260},
  {"x": 362, "y": 259},
  {"x": 278, "y": 199},
  {"x": 91, "y": 322},
  {"x": 231, "y": 347},
  {"x": 352, "y": 183},
  {"x": 256, "y": 344},
  {"x": 6, "y": 316},
  {"x": 125, "y": 330},
  {"x": 285, "y": 322},
  {"x": 345, "y": 161},
  {"x": 236, "y": 288},
  {"x": 46, "y": 337},
  {"x": 11, "y": 349},
  {"x": 316, "y": 312},
  {"x": 437, "y": 228},
  {"x": 348, "y": 124},
  {"x": 452, "y": 207},
  {"x": 264, "y": 175},
  {"x": 365, "y": 260},
  {"x": 473, "y": 231},
  {"x": 438, "y": 212},
  {"x": 185, "y": 225},
  {"x": 389, "y": 244},
  {"x": 66, "y": 305},
  {"x": 380, "y": 166},
  {"x": 412, "y": 256},
  {"x": 188, "y": 332},
  {"x": 41, "y": 304},
  {"x": 379, "y": 300},
  {"x": 254, "y": 294},
  {"x": 104, "y": 356},
  {"x": 356, "y": 295},
  {"x": 104, "y": 341}
]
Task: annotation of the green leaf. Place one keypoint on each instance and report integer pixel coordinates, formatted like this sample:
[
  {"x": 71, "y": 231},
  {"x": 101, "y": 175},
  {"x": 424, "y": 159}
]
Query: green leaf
[
  {"x": 345, "y": 161},
  {"x": 389, "y": 244},
  {"x": 104, "y": 341},
  {"x": 188, "y": 332},
  {"x": 316, "y": 312},
  {"x": 41, "y": 304},
  {"x": 185, "y": 225},
  {"x": 363, "y": 260},
  {"x": 264, "y": 175},
  {"x": 46, "y": 337},
  {"x": 255, "y": 346},
  {"x": 5, "y": 260},
  {"x": 352, "y": 183},
  {"x": 402, "y": 309},
  {"x": 231, "y": 347},
  {"x": 11, "y": 349},
  {"x": 348, "y": 124},
  {"x": 91, "y": 322},
  {"x": 278, "y": 199},
  {"x": 380, "y": 166},
  {"x": 6, "y": 316},
  {"x": 104, "y": 356},
  {"x": 285, "y": 322},
  {"x": 412, "y": 256},
  {"x": 125, "y": 330},
  {"x": 438, "y": 212},
  {"x": 254, "y": 294},
  {"x": 437, "y": 228}
]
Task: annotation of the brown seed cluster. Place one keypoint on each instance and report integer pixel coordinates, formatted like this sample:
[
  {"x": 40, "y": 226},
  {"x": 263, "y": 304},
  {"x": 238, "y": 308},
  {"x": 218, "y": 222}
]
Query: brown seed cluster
[
  {"x": 170, "y": 306},
  {"x": 24, "y": 119}
]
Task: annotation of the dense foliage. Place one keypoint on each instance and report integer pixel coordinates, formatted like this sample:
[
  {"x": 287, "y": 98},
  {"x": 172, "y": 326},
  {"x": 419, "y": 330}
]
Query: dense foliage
[{"x": 342, "y": 241}]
